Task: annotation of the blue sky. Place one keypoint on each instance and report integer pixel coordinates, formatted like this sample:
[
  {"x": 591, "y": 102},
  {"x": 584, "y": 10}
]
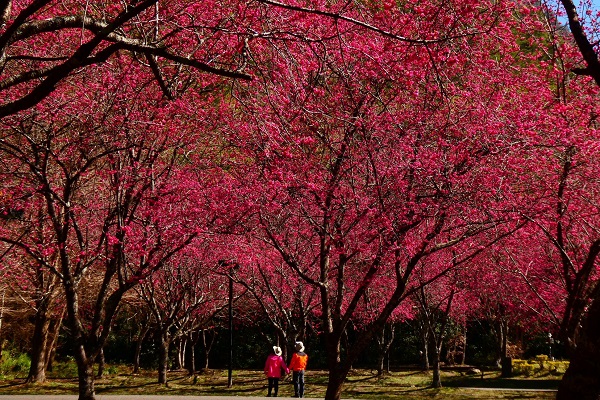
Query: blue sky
[{"x": 595, "y": 6}]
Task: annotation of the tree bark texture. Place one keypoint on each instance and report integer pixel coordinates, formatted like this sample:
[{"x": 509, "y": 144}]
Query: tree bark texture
[
  {"x": 138, "y": 347},
  {"x": 437, "y": 368},
  {"x": 163, "y": 359},
  {"x": 54, "y": 328},
  {"x": 39, "y": 343},
  {"x": 582, "y": 379},
  {"x": 85, "y": 372}
]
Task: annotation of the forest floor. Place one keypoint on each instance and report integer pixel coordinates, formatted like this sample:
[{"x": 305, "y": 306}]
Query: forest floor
[{"x": 361, "y": 384}]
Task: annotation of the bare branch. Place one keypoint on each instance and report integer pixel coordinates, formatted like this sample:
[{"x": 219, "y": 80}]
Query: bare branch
[
  {"x": 585, "y": 47},
  {"x": 363, "y": 24}
]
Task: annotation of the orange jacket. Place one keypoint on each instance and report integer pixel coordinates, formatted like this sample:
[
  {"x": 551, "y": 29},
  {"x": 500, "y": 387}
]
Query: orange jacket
[{"x": 298, "y": 362}]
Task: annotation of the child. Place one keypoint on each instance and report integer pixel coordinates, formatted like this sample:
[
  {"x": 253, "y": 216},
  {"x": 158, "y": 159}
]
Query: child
[
  {"x": 273, "y": 367},
  {"x": 298, "y": 366}
]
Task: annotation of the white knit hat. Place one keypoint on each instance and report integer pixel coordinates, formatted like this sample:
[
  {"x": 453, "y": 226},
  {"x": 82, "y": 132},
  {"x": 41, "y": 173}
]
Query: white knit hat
[
  {"x": 277, "y": 350},
  {"x": 299, "y": 347}
]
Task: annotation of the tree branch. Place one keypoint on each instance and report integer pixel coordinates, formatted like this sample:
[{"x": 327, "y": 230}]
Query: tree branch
[
  {"x": 585, "y": 47},
  {"x": 337, "y": 16}
]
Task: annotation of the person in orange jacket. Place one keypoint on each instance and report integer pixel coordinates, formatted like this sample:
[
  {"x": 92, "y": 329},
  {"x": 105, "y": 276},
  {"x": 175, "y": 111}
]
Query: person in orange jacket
[
  {"x": 298, "y": 366},
  {"x": 273, "y": 369}
]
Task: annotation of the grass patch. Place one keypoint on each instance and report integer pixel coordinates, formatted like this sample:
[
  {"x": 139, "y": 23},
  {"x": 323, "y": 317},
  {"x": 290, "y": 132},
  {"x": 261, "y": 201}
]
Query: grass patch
[
  {"x": 493, "y": 379},
  {"x": 361, "y": 384}
]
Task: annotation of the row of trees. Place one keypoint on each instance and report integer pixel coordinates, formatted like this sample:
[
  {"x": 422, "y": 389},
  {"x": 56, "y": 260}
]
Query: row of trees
[
  {"x": 183, "y": 333},
  {"x": 352, "y": 162}
]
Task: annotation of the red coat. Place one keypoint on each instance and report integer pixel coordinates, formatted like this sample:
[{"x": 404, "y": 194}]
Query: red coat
[{"x": 274, "y": 366}]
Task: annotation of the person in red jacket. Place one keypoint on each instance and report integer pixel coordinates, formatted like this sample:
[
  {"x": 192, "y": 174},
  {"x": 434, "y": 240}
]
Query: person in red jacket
[
  {"x": 298, "y": 366},
  {"x": 273, "y": 368}
]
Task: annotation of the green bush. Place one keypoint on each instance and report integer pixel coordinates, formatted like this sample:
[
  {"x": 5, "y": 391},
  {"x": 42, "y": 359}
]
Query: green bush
[
  {"x": 14, "y": 363},
  {"x": 540, "y": 364},
  {"x": 66, "y": 368},
  {"x": 111, "y": 370}
]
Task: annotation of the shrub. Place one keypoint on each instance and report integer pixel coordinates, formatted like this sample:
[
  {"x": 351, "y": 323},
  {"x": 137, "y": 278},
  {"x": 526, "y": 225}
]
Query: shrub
[
  {"x": 66, "y": 368},
  {"x": 111, "y": 370},
  {"x": 14, "y": 364},
  {"x": 539, "y": 364}
]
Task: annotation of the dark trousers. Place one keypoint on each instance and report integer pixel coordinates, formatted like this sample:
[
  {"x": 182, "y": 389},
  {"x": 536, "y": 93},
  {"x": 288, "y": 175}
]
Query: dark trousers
[
  {"x": 298, "y": 379},
  {"x": 273, "y": 386}
]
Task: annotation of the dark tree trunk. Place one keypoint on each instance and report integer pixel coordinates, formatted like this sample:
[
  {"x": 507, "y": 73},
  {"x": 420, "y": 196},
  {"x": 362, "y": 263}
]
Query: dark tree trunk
[
  {"x": 181, "y": 347},
  {"x": 84, "y": 360},
  {"x": 384, "y": 342},
  {"x": 506, "y": 360},
  {"x": 437, "y": 367},
  {"x": 55, "y": 326},
  {"x": 101, "y": 362},
  {"x": 208, "y": 339},
  {"x": 190, "y": 354},
  {"x": 39, "y": 343},
  {"x": 424, "y": 353},
  {"x": 335, "y": 385},
  {"x": 346, "y": 344},
  {"x": 138, "y": 347},
  {"x": 464, "y": 352},
  {"x": 85, "y": 372},
  {"x": 337, "y": 373},
  {"x": 380, "y": 363},
  {"x": 582, "y": 379},
  {"x": 500, "y": 340},
  {"x": 163, "y": 358},
  {"x": 282, "y": 341},
  {"x": 1, "y": 319},
  {"x": 86, "y": 382}
]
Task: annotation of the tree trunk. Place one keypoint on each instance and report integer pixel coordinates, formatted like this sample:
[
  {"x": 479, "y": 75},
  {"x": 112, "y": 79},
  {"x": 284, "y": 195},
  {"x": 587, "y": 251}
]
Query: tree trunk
[
  {"x": 380, "y": 363},
  {"x": 500, "y": 340},
  {"x": 207, "y": 344},
  {"x": 86, "y": 381},
  {"x": 181, "y": 346},
  {"x": 582, "y": 379},
  {"x": 55, "y": 326},
  {"x": 85, "y": 372},
  {"x": 101, "y": 361},
  {"x": 193, "y": 338},
  {"x": 163, "y": 358},
  {"x": 192, "y": 371},
  {"x": 384, "y": 342},
  {"x": 39, "y": 342},
  {"x": 192, "y": 360},
  {"x": 337, "y": 372},
  {"x": 1, "y": 319},
  {"x": 335, "y": 385},
  {"x": 464, "y": 353},
  {"x": 205, "y": 352},
  {"x": 138, "y": 347},
  {"x": 506, "y": 360},
  {"x": 424, "y": 353},
  {"x": 437, "y": 368}
]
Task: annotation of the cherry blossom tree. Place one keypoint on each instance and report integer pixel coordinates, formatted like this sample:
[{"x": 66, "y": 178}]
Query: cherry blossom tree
[
  {"x": 578, "y": 246},
  {"x": 441, "y": 302},
  {"x": 184, "y": 296},
  {"x": 273, "y": 295},
  {"x": 373, "y": 139},
  {"x": 44, "y": 42},
  {"x": 29, "y": 281},
  {"x": 363, "y": 167},
  {"x": 111, "y": 212}
]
